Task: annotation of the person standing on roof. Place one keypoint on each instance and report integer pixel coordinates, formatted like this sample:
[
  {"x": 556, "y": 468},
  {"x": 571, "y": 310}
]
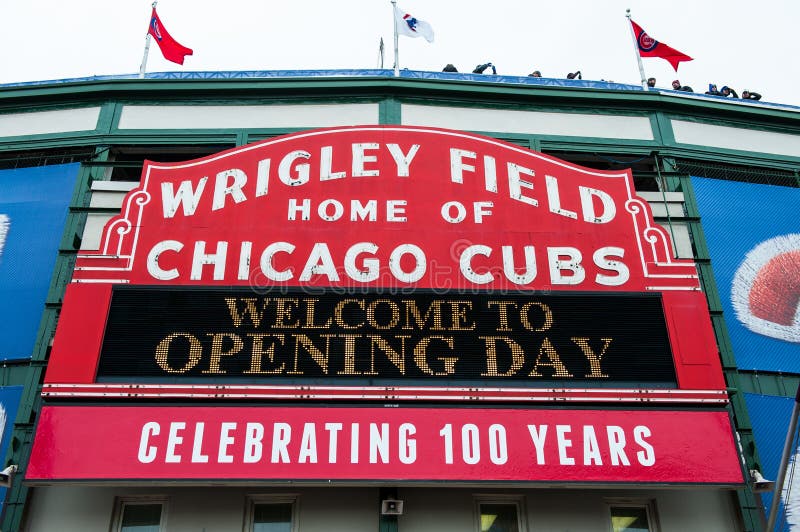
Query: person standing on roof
[
  {"x": 676, "y": 85},
  {"x": 727, "y": 91}
]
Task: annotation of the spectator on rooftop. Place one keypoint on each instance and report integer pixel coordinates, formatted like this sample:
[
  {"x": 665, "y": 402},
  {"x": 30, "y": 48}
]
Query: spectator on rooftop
[
  {"x": 676, "y": 85},
  {"x": 712, "y": 90},
  {"x": 535, "y": 74},
  {"x": 747, "y": 95},
  {"x": 574, "y": 75},
  {"x": 449, "y": 67},
  {"x": 727, "y": 91},
  {"x": 480, "y": 68},
  {"x": 651, "y": 83}
]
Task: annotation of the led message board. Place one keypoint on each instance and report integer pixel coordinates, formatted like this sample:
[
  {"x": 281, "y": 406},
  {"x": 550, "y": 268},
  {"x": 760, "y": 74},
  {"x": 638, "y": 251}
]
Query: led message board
[{"x": 513, "y": 338}]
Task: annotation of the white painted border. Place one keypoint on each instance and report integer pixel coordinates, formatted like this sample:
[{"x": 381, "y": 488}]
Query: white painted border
[
  {"x": 247, "y": 116},
  {"x": 529, "y": 122},
  {"x": 735, "y": 138},
  {"x": 49, "y": 122}
]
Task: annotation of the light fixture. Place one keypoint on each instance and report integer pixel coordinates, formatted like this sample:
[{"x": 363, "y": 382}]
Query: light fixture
[
  {"x": 760, "y": 484},
  {"x": 7, "y": 476}
]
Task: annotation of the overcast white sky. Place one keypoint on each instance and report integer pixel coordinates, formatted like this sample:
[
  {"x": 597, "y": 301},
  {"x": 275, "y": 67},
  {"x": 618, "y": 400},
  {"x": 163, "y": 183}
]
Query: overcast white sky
[{"x": 742, "y": 43}]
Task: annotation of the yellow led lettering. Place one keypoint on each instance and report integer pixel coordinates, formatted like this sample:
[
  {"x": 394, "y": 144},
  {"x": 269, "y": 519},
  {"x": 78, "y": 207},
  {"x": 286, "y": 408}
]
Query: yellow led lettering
[
  {"x": 502, "y": 313},
  {"x": 311, "y": 306},
  {"x": 547, "y": 316},
  {"x": 433, "y": 312},
  {"x": 217, "y": 353},
  {"x": 458, "y": 311},
  {"x": 258, "y": 352},
  {"x": 517, "y": 356},
  {"x": 163, "y": 347},
  {"x": 284, "y": 309},
  {"x": 548, "y": 357},
  {"x": 593, "y": 358},
  {"x": 337, "y": 313},
  {"x": 349, "y": 352},
  {"x": 421, "y": 356},
  {"x": 301, "y": 340},
  {"x": 395, "y": 310},
  {"x": 398, "y": 359},
  {"x": 250, "y": 309}
]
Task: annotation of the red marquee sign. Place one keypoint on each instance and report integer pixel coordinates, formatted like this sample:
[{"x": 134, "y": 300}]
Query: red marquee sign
[
  {"x": 433, "y": 444},
  {"x": 386, "y": 206},
  {"x": 380, "y": 208}
]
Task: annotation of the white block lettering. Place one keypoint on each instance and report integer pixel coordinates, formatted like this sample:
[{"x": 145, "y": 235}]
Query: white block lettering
[
  {"x": 147, "y": 452},
  {"x": 538, "y": 435},
  {"x": 187, "y": 197},
  {"x": 360, "y": 158},
  {"x": 564, "y": 444},
  {"x": 223, "y": 189},
  {"x": 173, "y": 440},
  {"x": 153, "y": 267},
  {"x": 403, "y": 160}
]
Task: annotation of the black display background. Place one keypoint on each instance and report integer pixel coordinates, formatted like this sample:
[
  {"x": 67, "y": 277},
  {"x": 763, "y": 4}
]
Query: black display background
[{"x": 141, "y": 317}]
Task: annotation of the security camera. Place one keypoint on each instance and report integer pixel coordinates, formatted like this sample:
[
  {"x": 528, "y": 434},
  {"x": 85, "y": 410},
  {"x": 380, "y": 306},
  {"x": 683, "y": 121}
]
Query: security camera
[{"x": 760, "y": 484}]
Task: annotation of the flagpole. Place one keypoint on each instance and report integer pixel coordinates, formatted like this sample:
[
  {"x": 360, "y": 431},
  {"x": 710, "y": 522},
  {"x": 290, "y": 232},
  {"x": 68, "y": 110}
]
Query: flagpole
[
  {"x": 143, "y": 67},
  {"x": 788, "y": 449},
  {"x": 396, "y": 53},
  {"x": 636, "y": 50}
]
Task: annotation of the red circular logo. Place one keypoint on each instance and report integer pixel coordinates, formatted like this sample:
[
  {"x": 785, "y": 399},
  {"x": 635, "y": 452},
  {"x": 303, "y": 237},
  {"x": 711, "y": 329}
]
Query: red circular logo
[{"x": 647, "y": 43}]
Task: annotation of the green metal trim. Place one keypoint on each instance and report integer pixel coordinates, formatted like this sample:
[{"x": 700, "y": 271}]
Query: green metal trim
[
  {"x": 776, "y": 384},
  {"x": 349, "y": 90},
  {"x": 749, "y": 502},
  {"x": 178, "y": 88},
  {"x": 108, "y": 118},
  {"x": 386, "y": 523},
  {"x": 389, "y": 111},
  {"x": 662, "y": 126}
]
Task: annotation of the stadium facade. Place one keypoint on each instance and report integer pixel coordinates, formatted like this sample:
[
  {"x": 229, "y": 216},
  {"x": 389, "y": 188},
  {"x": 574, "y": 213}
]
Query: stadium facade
[{"x": 347, "y": 300}]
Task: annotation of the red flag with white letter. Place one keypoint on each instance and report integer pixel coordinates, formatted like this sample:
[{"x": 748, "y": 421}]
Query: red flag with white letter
[
  {"x": 170, "y": 48},
  {"x": 649, "y": 47}
]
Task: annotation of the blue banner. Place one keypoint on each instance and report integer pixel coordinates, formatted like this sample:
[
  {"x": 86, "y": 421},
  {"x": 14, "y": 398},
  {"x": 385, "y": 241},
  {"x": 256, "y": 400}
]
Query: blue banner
[
  {"x": 753, "y": 236},
  {"x": 9, "y": 404},
  {"x": 33, "y": 209},
  {"x": 770, "y": 417}
]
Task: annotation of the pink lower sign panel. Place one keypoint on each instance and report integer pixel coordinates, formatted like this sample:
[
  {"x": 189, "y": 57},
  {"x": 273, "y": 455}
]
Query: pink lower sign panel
[{"x": 219, "y": 444}]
